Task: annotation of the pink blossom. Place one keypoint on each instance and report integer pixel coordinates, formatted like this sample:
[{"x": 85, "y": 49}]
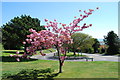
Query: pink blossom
[
  {"x": 66, "y": 27},
  {"x": 90, "y": 25},
  {"x": 28, "y": 57},
  {"x": 18, "y": 59},
  {"x": 17, "y": 52},
  {"x": 97, "y": 8},
  {"x": 74, "y": 16},
  {"x": 85, "y": 12},
  {"x": 19, "y": 55},
  {"x": 50, "y": 21},
  {"x": 80, "y": 14},
  {"x": 30, "y": 54},
  {"x": 91, "y": 10},
  {"x": 62, "y": 58},
  {"x": 46, "y": 20},
  {"x": 79, "y": 19},
  {"x": 84, "y": 24},
  {"x": 63, "y": 24},
  {"x": 24, "y": 42},
  {"x": 28, "y": 35},
  {"x": 11, "y": 55},
  {"x": 89, "y": 13},
  {"x": 27, "y": 39},
  {"x": 84, "y": 27},
  {"x": 77, "y": 26},
  {"x": 27, "y": 49},
  {"x": 46, "y": 26},
  {"x": 85, "y": 16},
  {"x": 70, "y": 24},
  {"x": 14, "y": 55},
  {"x": 80, "y": 10},
  {"x": 78, "y": 30},
  {"x": 31, "y": 30},
  {"x": 42, "y": 40},
  {"x": 62, "y": 50},
  {"x": 24, "y": 54}
]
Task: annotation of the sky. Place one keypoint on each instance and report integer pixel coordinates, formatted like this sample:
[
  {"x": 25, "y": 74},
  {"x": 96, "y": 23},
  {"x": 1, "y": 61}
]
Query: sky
[
  {"x": 103, "y": 20},
  {"x": 59, "y": 0}
]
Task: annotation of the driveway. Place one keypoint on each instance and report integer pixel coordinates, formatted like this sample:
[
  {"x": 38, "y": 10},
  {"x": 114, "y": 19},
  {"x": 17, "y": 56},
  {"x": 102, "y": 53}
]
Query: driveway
[{"x": 96, "y": 57}]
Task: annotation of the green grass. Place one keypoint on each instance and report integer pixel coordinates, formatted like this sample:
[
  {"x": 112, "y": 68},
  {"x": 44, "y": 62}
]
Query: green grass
[
  {"x": 8, "y": 52},
  {"x": 95, "y": 69},
  {"x": 49, "y": 50},
  {"x": 71, "y": 54},
  {"x": 1, "y": 46},
  {"x": 100, "y": 69}
]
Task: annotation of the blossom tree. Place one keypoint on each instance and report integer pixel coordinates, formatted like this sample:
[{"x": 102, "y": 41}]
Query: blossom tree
[{"x": 55, "y": 36}]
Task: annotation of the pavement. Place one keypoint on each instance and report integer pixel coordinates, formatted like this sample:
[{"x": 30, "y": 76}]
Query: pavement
[
  {"x": 96, "y": 57},
  {"x": 100, "y": 57}
]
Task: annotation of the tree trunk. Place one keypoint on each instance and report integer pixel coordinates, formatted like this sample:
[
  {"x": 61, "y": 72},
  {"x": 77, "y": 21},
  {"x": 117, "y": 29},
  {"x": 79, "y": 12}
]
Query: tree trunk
[
  {"x": 60, "y": 67},
  {"x": 60, "y": 62},
  {"x": 74, "y": 52}
]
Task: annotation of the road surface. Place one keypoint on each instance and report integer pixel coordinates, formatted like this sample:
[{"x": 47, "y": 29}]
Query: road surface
[{"x": 96, "y": 57}]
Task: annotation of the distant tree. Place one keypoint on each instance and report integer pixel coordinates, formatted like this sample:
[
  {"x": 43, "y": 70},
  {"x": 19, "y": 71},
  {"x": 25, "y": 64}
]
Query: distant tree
[
  {"x": 81, "y": 41},
  {"x": 113, "y": 43},
  {"x": 0, "y": 36},
  {"x": 119, "y": 45},
  {"x": 102, "y": 50},
  {"x": 96, "y": 45},
  {"x": 15, "y": 31}
]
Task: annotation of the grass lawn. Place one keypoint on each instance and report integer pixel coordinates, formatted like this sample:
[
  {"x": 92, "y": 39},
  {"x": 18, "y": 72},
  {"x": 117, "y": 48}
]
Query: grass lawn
[
  {"x": 8, "y": 52},
  {"x": 48, "y": 50},
  {"x": 95, "y": 69},
  {"x": 71, "y": 54}
]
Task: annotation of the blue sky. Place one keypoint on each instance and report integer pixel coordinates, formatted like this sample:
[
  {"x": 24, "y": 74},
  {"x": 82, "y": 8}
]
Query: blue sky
[{"x": 104, "y": 20}]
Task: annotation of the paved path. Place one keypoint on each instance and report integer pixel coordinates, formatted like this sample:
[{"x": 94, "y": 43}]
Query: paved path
[
  {"x": 96, "y": 57},
  {"x": 47, "y": 57},
  {"x": 100, "y": 57}
]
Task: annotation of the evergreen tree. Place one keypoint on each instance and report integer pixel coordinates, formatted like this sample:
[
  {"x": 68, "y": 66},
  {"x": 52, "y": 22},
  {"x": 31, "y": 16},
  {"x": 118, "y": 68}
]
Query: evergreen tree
[
  {"x": 113, "y": 43},
  {"x": 15, "y": 31}
]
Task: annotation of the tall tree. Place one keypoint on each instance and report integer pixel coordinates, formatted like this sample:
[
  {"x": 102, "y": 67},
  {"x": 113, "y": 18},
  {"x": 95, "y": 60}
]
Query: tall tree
[
  {"x": 96, "y": 45},
  {"x": 113, "y": 42},
  {"x": 15, "y": 31},
  {"x": 82, "y": 41},
  {"x": 0, "y": 36}
]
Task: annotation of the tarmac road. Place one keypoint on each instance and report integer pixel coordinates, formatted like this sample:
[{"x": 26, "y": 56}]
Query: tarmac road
[
  {"x": 96, "y": 57},
  {"x": 100, "y": 57}
]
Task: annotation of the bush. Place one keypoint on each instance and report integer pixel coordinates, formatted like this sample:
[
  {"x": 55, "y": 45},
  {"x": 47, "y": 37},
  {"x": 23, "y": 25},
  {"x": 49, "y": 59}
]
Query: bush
[{"x": 32, "y": 74}]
